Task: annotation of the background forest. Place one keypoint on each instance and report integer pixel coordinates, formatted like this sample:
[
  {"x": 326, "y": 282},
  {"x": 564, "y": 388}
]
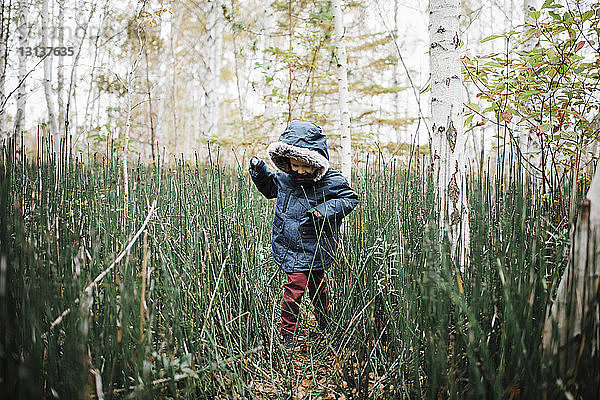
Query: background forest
[
  {"x": 135, "y": 253},
  {"x": 182, "y": 74}
]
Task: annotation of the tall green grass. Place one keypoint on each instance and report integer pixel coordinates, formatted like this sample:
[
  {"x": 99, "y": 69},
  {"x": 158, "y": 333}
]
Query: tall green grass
[{"x": 202, "y": 267}]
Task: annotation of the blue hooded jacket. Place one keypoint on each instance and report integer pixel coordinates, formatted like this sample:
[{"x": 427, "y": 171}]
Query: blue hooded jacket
[{"x": 302, "y": 241}]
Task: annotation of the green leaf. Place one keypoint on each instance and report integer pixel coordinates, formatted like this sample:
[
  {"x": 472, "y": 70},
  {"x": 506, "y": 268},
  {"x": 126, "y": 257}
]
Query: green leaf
[
  {"x": 568, "y": 16},
  {"x": 468, "y": 120},
  {"x": 474, "y": 106},
  {"x": 587, "y": 15},
  {"x": 545, "y": 127},
  {"x": 492, "y": 37},
  {"x": 534, "y": 14},
  {"x": 547, "y": 3},
  {"x": 555, "y": 15}
]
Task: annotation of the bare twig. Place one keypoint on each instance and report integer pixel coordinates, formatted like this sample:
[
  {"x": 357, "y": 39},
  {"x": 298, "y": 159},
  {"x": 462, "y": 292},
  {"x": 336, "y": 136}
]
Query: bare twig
[{"x": 21, "y": 82}]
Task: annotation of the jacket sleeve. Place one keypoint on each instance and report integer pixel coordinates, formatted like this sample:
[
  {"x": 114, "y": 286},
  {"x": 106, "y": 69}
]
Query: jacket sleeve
[
  {"x": 264, "y": 179},
  {"x": 341, "y": 200}
]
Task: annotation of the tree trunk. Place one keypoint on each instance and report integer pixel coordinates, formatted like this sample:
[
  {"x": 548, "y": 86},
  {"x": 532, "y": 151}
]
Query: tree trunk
[
  {"x": 4, "y": 36},
  {"x": 529, "y": 6},
  {"x": 133, "y": 62},
  {"x": 150, "y": 110},
  {"x": 346, "y": 154},
  {"x": 529, "y": 142},
  {"x": 60, "y": 71},
  {"x": 448, "y": 152},
  {"x": 397, "y": 107},
  {"x": 214, "y": 45},
  {"x": 168, "y": 111},
  {"x": 89, "y": 105},
  {"x": 23, "y": 30},
  {"x": 47, "y": 82},
  {"x": 236, "y": 57},
  {"x": 70, "y": 113},
  {"x": 266, "y": 41},
  {"x": 571, "y": 329}
]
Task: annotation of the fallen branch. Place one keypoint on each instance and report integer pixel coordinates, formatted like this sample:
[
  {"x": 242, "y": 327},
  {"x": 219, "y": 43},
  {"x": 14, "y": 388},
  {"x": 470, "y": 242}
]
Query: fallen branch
[
  {"x": 88, "y": 289},
  {"x": 98, "y": 383},
  {"x": 60, "y": 318},
  {"x": 101, "y": 276}
]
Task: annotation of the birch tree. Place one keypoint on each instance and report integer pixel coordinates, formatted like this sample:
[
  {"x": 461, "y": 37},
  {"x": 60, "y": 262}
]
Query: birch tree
[
  {"x": 4, "y": 32},
  {"x": 47, "y": 81},
  {"x": 340, "y": 47},
  {"x": 214, "y": 50},
  {"x": 576, "y": 310},
  {"x": 236, "y": 57},
  {"x": 167, "y": 87},
  {"x": 265, "y": 42},
  {"x": 22, "y": 29},
  {"x": 448, "y": 142},
  {"x": 129, "y": 88},
  {"x": 70, "y": 113},
  {"x": 60, "y": 70},
  {"x": 529, "y": 143},
  {"x": 397, "y": 74}
]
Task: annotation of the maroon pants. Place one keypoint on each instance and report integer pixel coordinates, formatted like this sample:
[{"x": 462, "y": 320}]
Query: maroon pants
[{"x": 293, "y": 290}]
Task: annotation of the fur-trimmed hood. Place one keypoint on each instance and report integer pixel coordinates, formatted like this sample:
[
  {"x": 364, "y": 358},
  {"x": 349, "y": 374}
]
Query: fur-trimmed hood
[{"x": 303, "y": 141}]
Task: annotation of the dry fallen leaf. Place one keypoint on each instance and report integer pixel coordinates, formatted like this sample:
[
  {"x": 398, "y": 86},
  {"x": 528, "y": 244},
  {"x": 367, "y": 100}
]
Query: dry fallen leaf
[{"x": 306, "y": 382}]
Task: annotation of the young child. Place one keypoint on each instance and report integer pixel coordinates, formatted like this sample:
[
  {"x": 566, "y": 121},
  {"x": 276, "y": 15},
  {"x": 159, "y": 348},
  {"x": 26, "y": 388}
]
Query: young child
[{"x": 312, "y": 200}]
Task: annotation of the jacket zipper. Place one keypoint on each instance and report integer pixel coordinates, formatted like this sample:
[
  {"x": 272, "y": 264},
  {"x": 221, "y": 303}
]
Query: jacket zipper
[{"x": 285, "y": 202}]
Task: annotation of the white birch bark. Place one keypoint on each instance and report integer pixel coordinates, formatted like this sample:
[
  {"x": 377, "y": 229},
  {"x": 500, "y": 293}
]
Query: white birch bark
[
  {"x": 170, "y": 112},
  {"x": 70, "y": 113},
  {"x": 90, "y": 102},
  {"x": 529, "y": 142},
  {"x": 266, "y": 41},
  {"x": 529, "y": 6},
  {"x": 214, "y": 46},
  {"x": 4, "y": 30},
  {"x": 346, "y": 154},
  {"x": 22, "y": 30},
  {"x": 133, "y": 63},
  {"x": 126, "y": 139},
  {"x": 576, "y": 298},
  {"x": 47, "y": 81},
  {"x": 397, "y": 107},
  {"x": 60, "y": 71},
  {"x": 167, "y": 68},
  {"x": 448, "y": 141},
  {"x": 238, "y": 84}
]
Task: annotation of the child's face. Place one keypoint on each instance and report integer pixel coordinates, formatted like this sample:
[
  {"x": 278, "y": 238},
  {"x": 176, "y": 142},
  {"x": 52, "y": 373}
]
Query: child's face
[{"x": 301, "y": 167}]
